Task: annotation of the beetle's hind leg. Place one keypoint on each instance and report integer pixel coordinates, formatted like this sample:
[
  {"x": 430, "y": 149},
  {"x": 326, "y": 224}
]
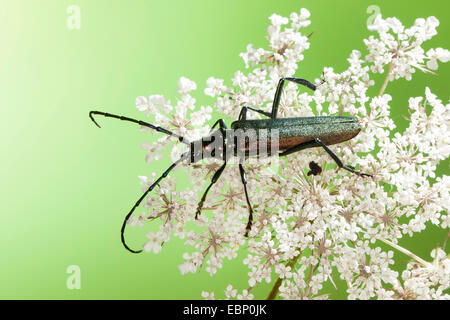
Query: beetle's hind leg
[
  {"x": 318, "y": 143},
  {"x": 250, "y": 209},
  {"x": 338, "y": 161}
]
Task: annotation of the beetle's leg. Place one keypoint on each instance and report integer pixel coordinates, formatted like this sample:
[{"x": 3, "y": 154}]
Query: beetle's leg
[
  {"x": 243, "y": 114},
  {"x": 213, "y": 180},
  {"x": 250, "y": 209},
  {"x": 277, "y": 97},
  {"x": 316, "y": 143},
  {"x": 222, "y": 126},
  {"x": 338, "y": 161},
  {"x": 221, "y": 123},
  {"x": 299, "y": 147},
  {"x": 122, "y": 230},
  {"x": 142, "y": 123}
]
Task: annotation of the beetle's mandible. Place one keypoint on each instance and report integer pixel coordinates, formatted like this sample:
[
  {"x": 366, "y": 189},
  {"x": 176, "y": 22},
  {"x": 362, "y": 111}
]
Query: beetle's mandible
[{"x": 244, "y": 140}]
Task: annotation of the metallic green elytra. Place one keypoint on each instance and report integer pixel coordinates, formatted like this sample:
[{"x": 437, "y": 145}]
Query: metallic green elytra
[{"x": 294, "y": 131}]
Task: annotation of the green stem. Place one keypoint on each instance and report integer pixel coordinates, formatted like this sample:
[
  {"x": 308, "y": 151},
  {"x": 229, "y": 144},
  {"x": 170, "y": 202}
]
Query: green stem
[{"x": 274, "y": 292}]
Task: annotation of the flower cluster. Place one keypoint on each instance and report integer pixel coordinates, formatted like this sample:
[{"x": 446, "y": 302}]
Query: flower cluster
[
  {"x": 309, "y": 230},
  {"x": 401, "y": 48}
]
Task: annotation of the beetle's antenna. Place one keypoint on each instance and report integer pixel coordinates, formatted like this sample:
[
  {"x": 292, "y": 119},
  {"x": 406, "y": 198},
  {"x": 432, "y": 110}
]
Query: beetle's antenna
[
  {"x": 142, "y": 123},
  {"x": 122, "y": 230}
]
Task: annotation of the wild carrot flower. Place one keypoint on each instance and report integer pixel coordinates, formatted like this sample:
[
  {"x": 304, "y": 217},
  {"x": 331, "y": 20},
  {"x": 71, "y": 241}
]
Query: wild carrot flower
[{"x": 309, "y": 229}]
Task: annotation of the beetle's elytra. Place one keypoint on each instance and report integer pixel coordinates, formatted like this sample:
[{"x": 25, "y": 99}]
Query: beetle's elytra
[{"x": 244, "y": 139}]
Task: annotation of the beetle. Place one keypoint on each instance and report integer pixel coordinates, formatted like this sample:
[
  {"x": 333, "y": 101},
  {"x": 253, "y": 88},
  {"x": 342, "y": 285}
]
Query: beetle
[{"x": 294, "y": 134}]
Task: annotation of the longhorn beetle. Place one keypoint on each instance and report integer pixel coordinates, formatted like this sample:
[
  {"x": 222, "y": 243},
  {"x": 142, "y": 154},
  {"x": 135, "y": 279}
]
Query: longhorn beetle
[{"x": 294, "y": 134}]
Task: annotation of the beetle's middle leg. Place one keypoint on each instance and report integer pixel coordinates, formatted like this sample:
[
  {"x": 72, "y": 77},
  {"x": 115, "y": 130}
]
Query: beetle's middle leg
[
  {"x": 250, "y": 209},
  {"x": 318, "y": 143},
  {"x": 243, "y": 113},
  {"x": 277, "y": 97}
]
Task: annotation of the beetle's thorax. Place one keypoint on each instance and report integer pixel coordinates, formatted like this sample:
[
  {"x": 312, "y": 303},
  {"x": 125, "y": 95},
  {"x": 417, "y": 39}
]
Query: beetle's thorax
[{"x": 225, "y": 144}]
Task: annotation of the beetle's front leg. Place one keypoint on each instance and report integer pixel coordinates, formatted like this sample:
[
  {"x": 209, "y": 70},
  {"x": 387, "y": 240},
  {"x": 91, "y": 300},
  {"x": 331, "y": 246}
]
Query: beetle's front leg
[
  {"x": 221, "y": 123},
  {"x": 213, "y": 181},
  {"x": 338, "y": 161}
]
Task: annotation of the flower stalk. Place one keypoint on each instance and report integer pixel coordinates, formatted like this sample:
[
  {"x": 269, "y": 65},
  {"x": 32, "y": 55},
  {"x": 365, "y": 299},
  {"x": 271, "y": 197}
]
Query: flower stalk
[
  {"x": 386, "y": 80},
  {"x": 407, "y": 252}
]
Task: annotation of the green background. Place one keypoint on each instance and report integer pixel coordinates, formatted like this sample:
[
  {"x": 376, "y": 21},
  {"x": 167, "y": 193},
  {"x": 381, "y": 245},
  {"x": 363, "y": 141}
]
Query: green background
[{"x": 66, "y": 185}]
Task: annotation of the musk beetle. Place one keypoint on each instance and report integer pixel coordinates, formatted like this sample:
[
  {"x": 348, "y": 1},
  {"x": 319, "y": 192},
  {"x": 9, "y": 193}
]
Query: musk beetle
[{"x": 284, "y": 135}]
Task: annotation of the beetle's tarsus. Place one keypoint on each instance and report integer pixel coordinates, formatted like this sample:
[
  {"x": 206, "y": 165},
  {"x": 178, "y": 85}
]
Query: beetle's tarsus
[
  {"x": 248, "y": 228},
  {"x": 352, "y": 170},
  {"x": 250, "y": 209},
  {"x": 338, "y": 161},
  {"x": 199, "y": 210},
  {"x": 213, "y": 180},
  {"x": 322, "y": 81}
]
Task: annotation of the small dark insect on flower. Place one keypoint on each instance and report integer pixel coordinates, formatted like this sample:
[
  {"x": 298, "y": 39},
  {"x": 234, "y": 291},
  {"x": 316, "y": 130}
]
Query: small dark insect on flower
[{"x": 315, "y": 169}]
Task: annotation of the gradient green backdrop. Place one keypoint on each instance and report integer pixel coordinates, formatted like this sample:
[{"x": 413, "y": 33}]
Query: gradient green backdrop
[{"x": 66, "y": 185}]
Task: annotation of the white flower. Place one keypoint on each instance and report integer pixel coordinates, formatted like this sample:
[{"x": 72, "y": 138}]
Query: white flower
[
  {"x": 153, "y": 244},
  {"x": 309, "y": 230},
  {"x": 214, "y": 87},
  {"x": 152, "y": 104},
  {"x": 278, "y": 20},
  {"x": 245, "y": 295},
  {"x": 402, "y": 50},
  {"x": 230, "y": 292},
  {"x": 208, "y": 295},
  {"x": 300, "y": 21},
  {"x": 440, "y": 54},
  {"x": 185, "y": 85}
]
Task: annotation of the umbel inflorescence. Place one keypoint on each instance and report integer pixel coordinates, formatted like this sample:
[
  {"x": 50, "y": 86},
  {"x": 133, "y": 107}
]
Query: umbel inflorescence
[{"x": 308, "y": 230}]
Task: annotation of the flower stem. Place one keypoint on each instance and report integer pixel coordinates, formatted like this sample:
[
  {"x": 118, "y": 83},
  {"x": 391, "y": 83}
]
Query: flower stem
[
  {"x": 386, "y": 81},
  {"x": 407, "y": 252},
  {"x": 274, "y": 292},
  {"x": 311, "y": 272}
]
